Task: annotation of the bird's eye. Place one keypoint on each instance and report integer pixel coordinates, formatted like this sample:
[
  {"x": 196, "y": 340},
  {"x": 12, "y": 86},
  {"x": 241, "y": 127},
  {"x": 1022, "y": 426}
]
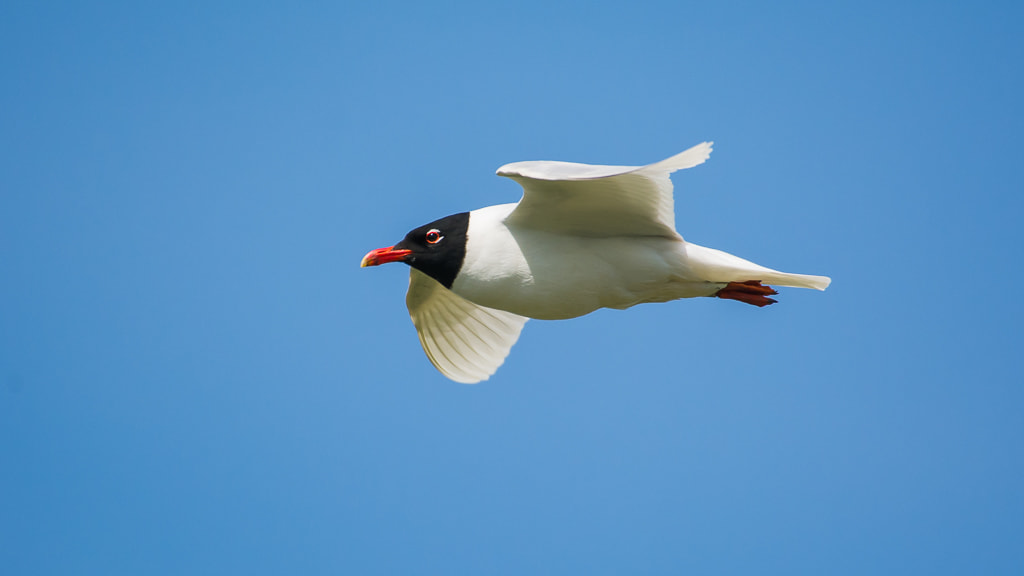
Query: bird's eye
[{"x": 434, "y": 236}]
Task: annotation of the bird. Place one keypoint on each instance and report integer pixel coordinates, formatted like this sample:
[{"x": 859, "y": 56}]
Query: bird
[{"x": 581, "y": 238}]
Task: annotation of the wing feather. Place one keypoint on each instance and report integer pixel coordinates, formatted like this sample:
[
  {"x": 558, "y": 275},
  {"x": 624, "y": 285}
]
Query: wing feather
[
  {"x": 464, "y": 341},
  {"x": 601, "y": 201}
]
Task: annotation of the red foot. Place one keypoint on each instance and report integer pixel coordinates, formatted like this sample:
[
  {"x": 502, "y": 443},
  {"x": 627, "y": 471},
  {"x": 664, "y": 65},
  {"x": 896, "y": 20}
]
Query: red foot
[{"x": 751, "y": 292}]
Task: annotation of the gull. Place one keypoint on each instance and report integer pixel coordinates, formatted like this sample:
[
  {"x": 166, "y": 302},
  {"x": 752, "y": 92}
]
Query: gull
[{"x": 582, "y": 237}]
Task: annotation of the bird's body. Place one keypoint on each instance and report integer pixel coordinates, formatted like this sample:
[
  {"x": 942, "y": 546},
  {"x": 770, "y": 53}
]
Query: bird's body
[
  {"x": 582, "y": 238},
  {"x": 551, "y": 276}
]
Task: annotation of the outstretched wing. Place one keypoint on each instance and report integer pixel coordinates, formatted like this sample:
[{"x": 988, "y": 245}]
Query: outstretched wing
[
  {"x": 600, "y": 201},
  {"x": 465, "y": 342}
]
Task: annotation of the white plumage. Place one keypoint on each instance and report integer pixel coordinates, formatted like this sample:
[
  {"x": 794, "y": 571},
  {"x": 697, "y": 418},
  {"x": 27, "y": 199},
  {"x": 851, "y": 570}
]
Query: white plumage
[
  {"x": 466, "y": 342},
  {"x": 582, "y": 237}
]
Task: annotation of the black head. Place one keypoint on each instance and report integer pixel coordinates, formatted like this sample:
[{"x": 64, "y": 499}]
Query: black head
[{"x": 436, "y": 249}]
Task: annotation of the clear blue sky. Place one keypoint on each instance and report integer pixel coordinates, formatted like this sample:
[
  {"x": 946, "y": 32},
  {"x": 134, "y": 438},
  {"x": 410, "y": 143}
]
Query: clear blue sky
[{"x": 196, "y": 377}]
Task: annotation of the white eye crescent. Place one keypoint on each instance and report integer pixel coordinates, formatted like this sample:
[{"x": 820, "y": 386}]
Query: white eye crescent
[{"x": 434, "y": 236}]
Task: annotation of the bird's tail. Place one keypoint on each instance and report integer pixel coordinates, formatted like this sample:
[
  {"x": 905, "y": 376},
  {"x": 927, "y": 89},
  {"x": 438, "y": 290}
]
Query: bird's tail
[{"x": 713, "y": 265}]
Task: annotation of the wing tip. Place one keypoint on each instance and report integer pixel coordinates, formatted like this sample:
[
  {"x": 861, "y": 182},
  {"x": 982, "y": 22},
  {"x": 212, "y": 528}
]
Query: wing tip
[
  {"x": 459, "y": 379},
  {"x": 692, "y": 156}
]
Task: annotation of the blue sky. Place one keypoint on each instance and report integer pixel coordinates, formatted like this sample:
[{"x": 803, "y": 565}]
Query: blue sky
[{"x": 197, "y": 378}]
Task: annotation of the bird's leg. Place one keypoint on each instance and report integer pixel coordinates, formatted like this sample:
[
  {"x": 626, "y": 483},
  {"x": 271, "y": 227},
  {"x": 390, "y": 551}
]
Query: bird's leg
[{"x": 751, "y": 292}]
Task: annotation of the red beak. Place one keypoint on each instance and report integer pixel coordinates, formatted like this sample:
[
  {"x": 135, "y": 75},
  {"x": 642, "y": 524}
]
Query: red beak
[{"x": 383, "y": 256}]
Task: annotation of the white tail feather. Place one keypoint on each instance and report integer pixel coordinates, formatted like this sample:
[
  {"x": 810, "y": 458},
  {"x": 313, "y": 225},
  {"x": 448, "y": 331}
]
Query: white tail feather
[{"x": 716, "y": 266}]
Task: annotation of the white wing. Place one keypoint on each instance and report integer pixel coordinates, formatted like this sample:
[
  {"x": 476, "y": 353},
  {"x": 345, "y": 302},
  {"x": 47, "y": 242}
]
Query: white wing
[
  {"x": 465, "y": 342},
  {"x": 588, "y": 200}
]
